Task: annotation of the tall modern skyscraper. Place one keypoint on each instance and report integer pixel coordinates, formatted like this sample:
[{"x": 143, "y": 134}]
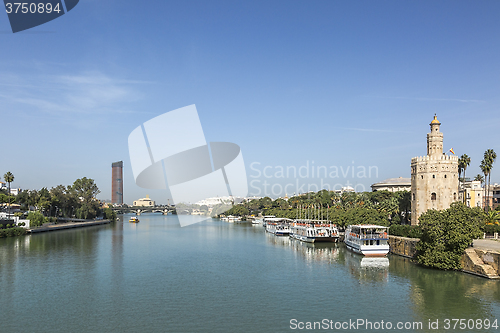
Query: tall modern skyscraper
[{"x": 117, "y": 183}]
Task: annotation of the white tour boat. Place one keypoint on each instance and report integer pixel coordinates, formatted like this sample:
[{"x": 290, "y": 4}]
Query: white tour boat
[
  {"x": 367, "y": 239},
  {"x": 265, "y": 218},
  {"x": 278, "y": 226},
  {"x": 232, "y": 219},
  {"x": 314, "y": 231}
]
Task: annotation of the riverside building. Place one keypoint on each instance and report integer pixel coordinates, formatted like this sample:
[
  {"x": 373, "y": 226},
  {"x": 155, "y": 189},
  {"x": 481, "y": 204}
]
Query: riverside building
[{"x": 434, "y": 177}]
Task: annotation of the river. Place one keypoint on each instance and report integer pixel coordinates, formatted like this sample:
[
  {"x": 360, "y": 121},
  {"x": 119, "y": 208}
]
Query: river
[{"x": 155, "y": 276}]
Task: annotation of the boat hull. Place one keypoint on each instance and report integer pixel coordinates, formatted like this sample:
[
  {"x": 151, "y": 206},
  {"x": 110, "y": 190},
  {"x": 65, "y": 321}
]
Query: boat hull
[
  {"x": 309, "y": 239},
  {"x": 368, "y": 251}
]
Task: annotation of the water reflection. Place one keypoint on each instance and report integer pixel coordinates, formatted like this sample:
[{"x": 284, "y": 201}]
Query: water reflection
[
  {"x": 117, "y": 256},
  {"x": 366, "y": 268},
  {"x": 440, "y": 294}
]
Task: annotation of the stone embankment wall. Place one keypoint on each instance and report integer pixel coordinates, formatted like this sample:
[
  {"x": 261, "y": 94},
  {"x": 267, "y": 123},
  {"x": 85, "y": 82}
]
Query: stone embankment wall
[
  {"x": 403, "y": 246},
  {"x": 481, "y": 262},
  {"x": 484, "y": 263}
]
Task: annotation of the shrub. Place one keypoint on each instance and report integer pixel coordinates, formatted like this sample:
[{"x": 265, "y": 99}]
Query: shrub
[
  {"x": 36, "y": 219},
  {"x": 411, "y": 231},
  {"x": 491, "y": 228},
  {"x": 11, "y": 232},
  {"x": 109, "y": 214},
  {"x": 446, "y": 234}
]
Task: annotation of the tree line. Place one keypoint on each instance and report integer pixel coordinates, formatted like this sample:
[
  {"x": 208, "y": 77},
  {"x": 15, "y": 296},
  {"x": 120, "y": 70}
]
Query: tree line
[
  {"x": 382, "y": 207},
  {"x": 76, "y": 200}
]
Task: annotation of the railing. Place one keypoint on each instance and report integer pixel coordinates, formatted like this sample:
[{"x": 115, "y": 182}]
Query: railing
[{"x": 382, "y": 235}]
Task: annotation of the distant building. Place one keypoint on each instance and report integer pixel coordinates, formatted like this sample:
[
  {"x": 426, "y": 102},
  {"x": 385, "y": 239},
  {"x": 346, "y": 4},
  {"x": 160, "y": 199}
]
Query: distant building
[
  {"x": 144, "y": 202},
  {"x": 342, "y": 190},
  {"x": 473, "y": 194},
  {"x": 434, "y": 178},
  {"x": 393, "y": 185},
  {"x": 492, "y": 196},
  {"x": 117, "y": 183}
]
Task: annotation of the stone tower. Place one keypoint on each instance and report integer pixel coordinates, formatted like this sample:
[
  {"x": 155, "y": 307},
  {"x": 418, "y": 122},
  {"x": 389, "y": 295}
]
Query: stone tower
[{"x": 434, "y": 178}]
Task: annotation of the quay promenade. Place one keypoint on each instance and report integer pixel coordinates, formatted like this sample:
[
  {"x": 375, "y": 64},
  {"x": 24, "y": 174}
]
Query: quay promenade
[{"x": 67, "y": 225}]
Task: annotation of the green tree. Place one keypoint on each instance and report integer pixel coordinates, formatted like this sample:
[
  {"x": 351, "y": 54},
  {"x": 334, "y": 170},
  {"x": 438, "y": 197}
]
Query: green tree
[
  {"x": 490, "y": 156},
  {"x": 404, "y": 201},
  {"x": 109, "y": 214},
  {"x": 485, "y": 169},
  {"x": 479, "y": 178},
  {"x": 22, "y": 199},
  {"x": 492, "y": 217},
  {"x": 36, "y": 219},
  {"x": 281, "y": 203},
  {"x": 266, "y": 203},
  {"x": 43, "y": 203},
  {"x": 446, "y": 234},
  {"x": 238, "y": 210},
  {"x": 466, "y": 162},
  {"x": 463, "y": 163},
  {"x": 86, "y": 191},
  {"x": 9, "y": 178}
]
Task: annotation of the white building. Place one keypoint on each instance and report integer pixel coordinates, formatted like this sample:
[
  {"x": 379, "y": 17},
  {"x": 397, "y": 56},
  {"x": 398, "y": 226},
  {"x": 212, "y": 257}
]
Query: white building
[
  {"x": 393, "y": 185},
  {"x": 144, "y": 202}
]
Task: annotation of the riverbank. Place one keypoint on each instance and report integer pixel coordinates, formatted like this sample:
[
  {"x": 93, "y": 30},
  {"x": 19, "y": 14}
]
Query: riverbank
[
  {"x": 482, "y": 260},
  {"x": 67, "y": 225}
]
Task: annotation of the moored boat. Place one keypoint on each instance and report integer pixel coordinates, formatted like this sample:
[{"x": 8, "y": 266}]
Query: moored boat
[
  {"x": 314, "y": 231},
  {"x": 278, "y": 226},
  {"x": 367, "y": 239},
  {"x": 265, "y": 218},
  {"x": 232, "y": 219}
]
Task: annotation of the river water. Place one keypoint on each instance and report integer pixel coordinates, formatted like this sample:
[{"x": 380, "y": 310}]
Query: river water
[{"x": 213, "y": 276}]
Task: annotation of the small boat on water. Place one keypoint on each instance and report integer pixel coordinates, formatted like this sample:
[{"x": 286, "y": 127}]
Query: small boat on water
[
  {"x": 133, "y": 219},
  {"x": 256, "y": 221},
  {"x": 232, "y": 219},
  {"x": 367, "y": 239},
  {"x": 278, "y": 226},
  {"x": 314, "y": 231}
]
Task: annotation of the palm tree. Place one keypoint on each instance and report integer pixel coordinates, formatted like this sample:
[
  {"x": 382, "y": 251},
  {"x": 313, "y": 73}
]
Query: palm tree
[
  {"x": 485, "y": 169},
  {"x": 460, "y": 168},
  {"x": 9, "y": 178},
  {"x": 492, "y": 217},
  {"x": 466, "y": 162},
  {"x": 463, "y": 163},
  {"x": 479, "y": 178},
  {"x": 491, "y": 156}
]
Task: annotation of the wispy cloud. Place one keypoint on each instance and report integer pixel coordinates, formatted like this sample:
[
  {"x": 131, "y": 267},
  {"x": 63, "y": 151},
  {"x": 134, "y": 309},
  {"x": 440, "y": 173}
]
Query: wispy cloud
[
  {"x": 431, "y": 99},
  {"x": 370, "y": 130},
  {"x": 90, "y": 92}
]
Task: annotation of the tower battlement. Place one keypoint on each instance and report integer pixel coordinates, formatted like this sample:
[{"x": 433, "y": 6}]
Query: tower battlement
[{"x": 434, "y": 158}]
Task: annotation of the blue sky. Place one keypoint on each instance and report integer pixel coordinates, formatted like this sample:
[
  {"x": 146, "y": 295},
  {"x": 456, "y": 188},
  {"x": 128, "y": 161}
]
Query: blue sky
[{"x": 337, "y": 83}]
